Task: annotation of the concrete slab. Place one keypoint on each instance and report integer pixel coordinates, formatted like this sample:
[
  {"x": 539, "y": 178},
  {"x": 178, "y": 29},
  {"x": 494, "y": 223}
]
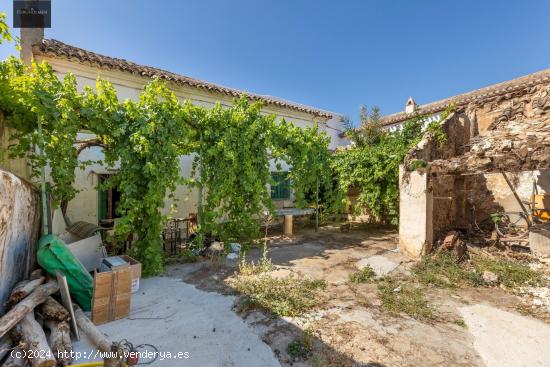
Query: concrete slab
[
  {"x": 379, "y": 263},
  {"x": 507, "y": 339},
  {"x": 176, "y": 317}
]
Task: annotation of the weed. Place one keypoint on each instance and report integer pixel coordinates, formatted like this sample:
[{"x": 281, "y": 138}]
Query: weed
[
  {"x": 298, "y": 349},
  {"x": 459, "y": 322},
  {"x": 317, "y": 361},
  {"x": 185, "y": 256},
  {"x": 443, "y": 270},
  {"x": 364, "y": 275},
  {"x": 404, "y": 299},
  {"x": 510, "y": 274},
  {"x": 289, "y": 296},
  {"x": 249, "y": 268}
]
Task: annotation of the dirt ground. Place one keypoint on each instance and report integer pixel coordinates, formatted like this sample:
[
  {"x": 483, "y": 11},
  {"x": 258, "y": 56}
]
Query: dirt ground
[{"x": 350, "y": 328}]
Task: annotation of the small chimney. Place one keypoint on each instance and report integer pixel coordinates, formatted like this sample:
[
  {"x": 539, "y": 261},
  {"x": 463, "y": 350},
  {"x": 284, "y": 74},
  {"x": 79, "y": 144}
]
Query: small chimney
[
  {"x": 410, "y": 106},
  {"x": 30, "y": 37}
]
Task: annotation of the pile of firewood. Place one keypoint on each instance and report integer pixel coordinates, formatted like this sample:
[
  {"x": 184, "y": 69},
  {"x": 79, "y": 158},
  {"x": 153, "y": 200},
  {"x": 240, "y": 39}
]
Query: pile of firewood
[{"x": 35, "y": 330}]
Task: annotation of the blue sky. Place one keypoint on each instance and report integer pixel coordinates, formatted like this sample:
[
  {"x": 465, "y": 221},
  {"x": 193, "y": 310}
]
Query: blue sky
[{"x": 334, "y": 55}]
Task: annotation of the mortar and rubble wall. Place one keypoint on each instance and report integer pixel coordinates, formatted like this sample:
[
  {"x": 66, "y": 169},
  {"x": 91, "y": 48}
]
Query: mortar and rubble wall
[{"x": 463, "y": 185}]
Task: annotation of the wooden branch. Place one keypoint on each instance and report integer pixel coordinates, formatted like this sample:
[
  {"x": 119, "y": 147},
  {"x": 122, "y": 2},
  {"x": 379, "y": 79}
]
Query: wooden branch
[
  {"x": 53, "y": 310},
  {"x": 88, "y": 143},
  {"x": 60, "y": 341},
  {"x": 16, "y": 359},
  {"x": 35, "y": 345},
  {"x": 37, "y": 274},
  {"x": 19, "y": 311},
  {"x": 22, "y": 290}
]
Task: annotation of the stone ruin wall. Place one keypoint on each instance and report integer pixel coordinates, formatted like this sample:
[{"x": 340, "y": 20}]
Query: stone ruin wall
[{"x": 465, "y": 201}]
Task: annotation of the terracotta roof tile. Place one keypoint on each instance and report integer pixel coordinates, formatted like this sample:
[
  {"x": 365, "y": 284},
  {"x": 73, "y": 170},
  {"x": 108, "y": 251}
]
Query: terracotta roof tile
[
  {"x": 476, "y": 96},
  {"x": 54, "y": 48}
]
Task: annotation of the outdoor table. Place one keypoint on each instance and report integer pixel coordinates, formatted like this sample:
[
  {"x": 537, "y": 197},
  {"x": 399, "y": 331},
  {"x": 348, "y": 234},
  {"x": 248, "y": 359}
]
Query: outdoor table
[{"x": 288, "y": 214}]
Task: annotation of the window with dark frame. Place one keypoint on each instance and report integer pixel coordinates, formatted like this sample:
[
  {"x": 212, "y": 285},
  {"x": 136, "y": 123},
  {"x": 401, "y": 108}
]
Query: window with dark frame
[
  {"x": 108, "y": 200},
  {"x": 280, "y": 189}
]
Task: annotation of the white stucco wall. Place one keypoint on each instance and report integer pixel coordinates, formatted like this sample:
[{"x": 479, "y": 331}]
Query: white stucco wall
[
  {"x": 85, "y": 205},
  {"x": 415, "y": 213}
]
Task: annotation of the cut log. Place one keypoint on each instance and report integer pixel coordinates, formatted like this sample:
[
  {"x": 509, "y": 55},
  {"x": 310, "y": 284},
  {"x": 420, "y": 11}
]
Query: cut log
[
  {"x": 35, "y": 345},
  {"x": 60, "y": 341},
  {"x": 15, "y": 359},
  {"x": 97, "y": 338},
  {"x": 22, "y": 290},
  {"x": 19, "y": 311},
  {"x": 36, "y": 274},
  {"x": 5, "y": 346},
  {"x": 53, "y": 310},
  {"x": 87, "y": 327}
]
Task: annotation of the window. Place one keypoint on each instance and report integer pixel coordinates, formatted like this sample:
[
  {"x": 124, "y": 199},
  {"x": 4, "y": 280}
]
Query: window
[
  {"x": 108, "y": 200},
  {"x": 280, "y": 189}
]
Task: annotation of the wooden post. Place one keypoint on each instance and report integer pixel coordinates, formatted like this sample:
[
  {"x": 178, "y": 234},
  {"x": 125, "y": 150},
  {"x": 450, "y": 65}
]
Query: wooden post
[{"x": 19, "y": 311}]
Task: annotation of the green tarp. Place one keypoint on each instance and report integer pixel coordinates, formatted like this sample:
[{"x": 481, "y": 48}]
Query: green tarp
[{"x": 53, "y": 255}]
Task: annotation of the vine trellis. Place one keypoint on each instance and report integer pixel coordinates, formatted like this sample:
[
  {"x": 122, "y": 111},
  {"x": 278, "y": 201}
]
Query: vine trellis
[{"x": 144, "y": 139}]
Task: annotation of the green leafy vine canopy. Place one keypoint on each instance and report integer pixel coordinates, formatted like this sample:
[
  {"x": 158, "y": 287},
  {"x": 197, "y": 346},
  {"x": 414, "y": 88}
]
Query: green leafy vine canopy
[{"x": 144, "y": 140}]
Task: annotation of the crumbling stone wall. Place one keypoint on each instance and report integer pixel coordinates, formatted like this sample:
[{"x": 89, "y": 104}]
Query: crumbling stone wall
[
  {"x": 459, "y": 129},
  {"x": 507, "y": 132}
]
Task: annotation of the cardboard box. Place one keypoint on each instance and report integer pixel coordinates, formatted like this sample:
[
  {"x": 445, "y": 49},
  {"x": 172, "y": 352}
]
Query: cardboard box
[
  {"x": 135, "y": 266},
  {"x": 112, "y": 295}
]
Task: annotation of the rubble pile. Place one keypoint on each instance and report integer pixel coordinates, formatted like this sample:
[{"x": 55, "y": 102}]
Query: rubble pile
[{"x": 514, "y": 146}]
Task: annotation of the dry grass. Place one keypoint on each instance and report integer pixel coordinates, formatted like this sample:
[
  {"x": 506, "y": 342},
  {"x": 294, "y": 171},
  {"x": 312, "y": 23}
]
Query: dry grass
[
  {"x": 250, "y": 268},
  {"x": 445, "y": 271},
  {"x": 398, "y": 299},
  {"x": 288, "y": 296}
]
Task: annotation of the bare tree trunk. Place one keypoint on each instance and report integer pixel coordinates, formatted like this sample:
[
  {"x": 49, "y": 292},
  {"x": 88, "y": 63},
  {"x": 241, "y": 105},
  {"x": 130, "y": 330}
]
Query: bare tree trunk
[
  {"x": 53, "y": 310},
  {"x": 19, "y": 311},
  {"x": 60, "y": 341},
  {"x": 29, "y": 332}
]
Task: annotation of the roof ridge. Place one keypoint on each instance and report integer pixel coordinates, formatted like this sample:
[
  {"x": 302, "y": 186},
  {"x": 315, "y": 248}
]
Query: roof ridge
[
  {"x": 61, "y": 49},
  {"x": 479, "y": 94}
]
